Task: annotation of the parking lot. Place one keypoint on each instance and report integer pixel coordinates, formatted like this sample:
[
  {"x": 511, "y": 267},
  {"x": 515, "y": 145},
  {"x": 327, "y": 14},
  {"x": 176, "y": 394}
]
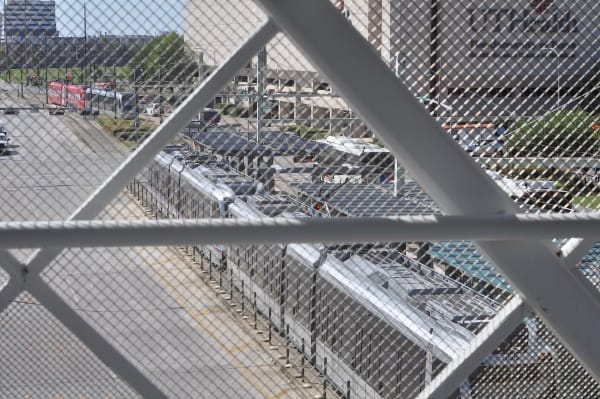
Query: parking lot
[{"x": 150, "y": 303}]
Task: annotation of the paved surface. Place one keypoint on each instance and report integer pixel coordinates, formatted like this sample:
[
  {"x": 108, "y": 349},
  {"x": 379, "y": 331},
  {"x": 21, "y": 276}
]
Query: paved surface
[{"x": 150, "y": 302}]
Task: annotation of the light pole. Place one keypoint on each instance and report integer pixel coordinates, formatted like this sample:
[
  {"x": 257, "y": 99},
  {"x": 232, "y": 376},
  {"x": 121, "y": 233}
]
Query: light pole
[
  {"x": 6, "y": 51},
  {"x": 160, "y": 95},
  {"x": 26, "y": 40},
  {"x": 557, "y": 74},
  {"x": 46, "y": 65},
  {"x": 115, "y": 87},
  {"x": 261, "y": 63},
  {"x": 84, "y": 66}
]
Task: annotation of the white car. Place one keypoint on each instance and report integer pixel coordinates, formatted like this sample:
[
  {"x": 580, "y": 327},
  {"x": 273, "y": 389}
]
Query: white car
[
  {"x": 3, "y": 139},
  {"x": 482, "y": 142},
  {"x": 153, "y": 109}
]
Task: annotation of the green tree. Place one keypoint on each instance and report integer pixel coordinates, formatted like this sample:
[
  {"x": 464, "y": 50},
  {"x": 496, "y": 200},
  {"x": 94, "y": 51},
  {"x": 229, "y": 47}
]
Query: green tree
[
  {"x": 562, "y": 133},
  {"x": 163, "y": 59}
]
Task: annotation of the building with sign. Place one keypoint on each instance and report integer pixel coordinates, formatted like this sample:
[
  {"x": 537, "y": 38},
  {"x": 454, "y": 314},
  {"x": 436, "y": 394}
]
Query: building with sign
[
  {"x": 441, "y": 50},
  {"x": 29, "y": 18}
]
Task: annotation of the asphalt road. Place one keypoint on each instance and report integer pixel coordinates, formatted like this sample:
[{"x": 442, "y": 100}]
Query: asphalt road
[{"x": 149, "y": 302}]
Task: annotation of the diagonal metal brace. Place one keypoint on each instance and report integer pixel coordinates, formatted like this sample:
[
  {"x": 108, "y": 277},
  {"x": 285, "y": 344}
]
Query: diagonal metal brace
[
  {"x": 106, "y": 193},
  {"x": 453, "y": 179}
]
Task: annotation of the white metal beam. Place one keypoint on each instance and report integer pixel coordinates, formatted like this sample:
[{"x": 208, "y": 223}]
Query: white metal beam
[
  {"x": 573, "y": 252},
  {"x": 94, "y": 341},
  {"x": 127, "y": 171},
  {"x": 441, "y": 167},
  {"x": 163, "y": 134},
  {"x": 127, "y": 233},
  {"x": 488, "y": 339},
  {"x": 16, "y": 283},
  {"x": 115, "y": 183},
  {"x": 575, "y": 249},
  {"x": 12, "y": 266}
]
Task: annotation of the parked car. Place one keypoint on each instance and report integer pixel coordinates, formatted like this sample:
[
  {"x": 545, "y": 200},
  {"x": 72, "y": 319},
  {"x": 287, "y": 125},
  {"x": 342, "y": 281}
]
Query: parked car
[
  {"x": 3, "y": 139},
  {"x": 479, "y": 139},
  {"x": 154, "y": 109}
]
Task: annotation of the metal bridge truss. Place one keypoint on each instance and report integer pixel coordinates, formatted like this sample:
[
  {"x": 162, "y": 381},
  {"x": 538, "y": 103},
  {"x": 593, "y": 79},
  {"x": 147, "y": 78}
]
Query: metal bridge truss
[{"x": 518, "y": 245}]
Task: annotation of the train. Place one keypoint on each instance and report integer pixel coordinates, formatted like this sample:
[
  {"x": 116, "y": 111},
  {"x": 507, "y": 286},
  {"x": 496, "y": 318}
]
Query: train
[
  {"x": 373, "y": 320},
  {"x": 86, "y": 100}
]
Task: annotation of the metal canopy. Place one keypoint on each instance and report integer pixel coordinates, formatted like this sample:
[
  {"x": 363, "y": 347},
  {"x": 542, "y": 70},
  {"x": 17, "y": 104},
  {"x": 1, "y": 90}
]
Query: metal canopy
[
  {"x": 227, "y": 143},
  {"x": 363, "y": 200},
  {"x": 288, "y": 143}
]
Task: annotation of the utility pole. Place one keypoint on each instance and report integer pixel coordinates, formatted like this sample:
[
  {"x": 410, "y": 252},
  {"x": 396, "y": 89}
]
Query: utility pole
[
  {"x": 201, "y": 72},
  {"x": 7, "y": 58},
  {"x": 26, "y": 40},
  {"x": 84, "y": 42},
  {"x": 160, "y": 91},
  {"x": 6, "y": 51},
  {"x": 104, "y": 57},
  {"x": 136, "y": 71},
  {"x": 46, "y": 65},
  {"x": 261, "y": 63},
  {"x": 92, "y": 82},
  {"x": 434, "y": 55},
  {"x": 135, "y": 121},
  {"x": 115, "y": 87}
]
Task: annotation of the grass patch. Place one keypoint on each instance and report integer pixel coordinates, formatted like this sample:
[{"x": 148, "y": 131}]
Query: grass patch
[
  {"x": 20, "y": 75},
  {"x": 124, "y": 129},
  {"x": 233, "y": 110},
  {"x": 588, "y": 201},
  {"x": 308, "y": 132}
]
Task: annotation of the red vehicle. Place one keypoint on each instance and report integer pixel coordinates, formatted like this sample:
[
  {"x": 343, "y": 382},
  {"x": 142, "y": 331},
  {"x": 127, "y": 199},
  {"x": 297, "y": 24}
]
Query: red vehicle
[
  {"x": 76, "y": 97},
  {"x": 105, "y": 85},
  {"x": 92, "y": 100},
  {"x": 57, "y": 93},
  {"x": 72, "y": 96}
]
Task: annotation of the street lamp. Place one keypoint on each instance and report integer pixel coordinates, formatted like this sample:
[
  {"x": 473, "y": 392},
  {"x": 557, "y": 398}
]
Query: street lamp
[
  {"x": 557, "y": 73},
  {"x": 160, "y": 95}
]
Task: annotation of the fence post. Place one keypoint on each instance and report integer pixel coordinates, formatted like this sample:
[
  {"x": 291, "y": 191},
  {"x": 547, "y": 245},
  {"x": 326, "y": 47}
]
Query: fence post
[
  {"x": 231, "y": 284},
  {"x": 220, "y": 279},
  {"x": 302, "y": 361},
  {"x": 255, "y": 311},
  {"x": 243, "y": 298},
  {"x": 269, "y": 325},
  {"x": 287, "y": 345},
  {"x": 325, "y": 378}
]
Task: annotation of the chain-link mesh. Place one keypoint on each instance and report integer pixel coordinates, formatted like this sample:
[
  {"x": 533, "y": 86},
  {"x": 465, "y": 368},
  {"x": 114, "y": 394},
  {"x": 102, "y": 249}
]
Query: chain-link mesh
[{"x": 85, "y": 83}]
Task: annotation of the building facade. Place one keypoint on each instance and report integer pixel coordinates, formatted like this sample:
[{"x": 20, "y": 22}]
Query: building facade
[
  {"x": 29, "y": 18},
  {"x": 447, "y": 51}
]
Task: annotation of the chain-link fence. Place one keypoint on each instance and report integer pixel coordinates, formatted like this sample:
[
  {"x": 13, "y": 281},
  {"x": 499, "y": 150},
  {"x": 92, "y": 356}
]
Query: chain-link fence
[{"x": 238, "y": 118}]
